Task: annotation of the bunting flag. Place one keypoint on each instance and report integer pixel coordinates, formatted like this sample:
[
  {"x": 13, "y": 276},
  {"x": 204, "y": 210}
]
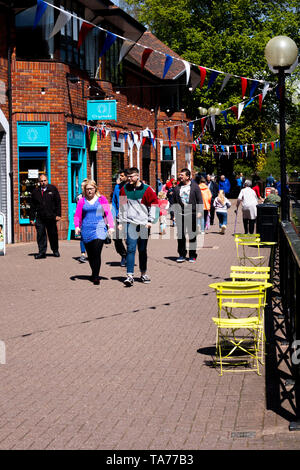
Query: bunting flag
[
  {"x": 265, "y": 90},
  {"x": 144, "y": 140},
  {"x": 84, "y": 31},
  {"x": 168, "y": 63},
  {"x": 117, "y": 135},
  {"x": 244, "y": 85},
  {"x": 240, "y": 110},
  {"x": 41, "y": 7},
  {"x": 242, "y": 148},
  {"x": 213, "y": 121},
  {"x": 187, "y": 66},
  {"x": 235, "y": 150},
  {"x": 253, "y": 87},
  {"x": 146, "y": 54},
  {"x": 235, "y": 110},
  {"x": 110, "y": 39},
  {"x": 169, "y": 133},
  {"x": 191, "y": 127},
  {"x": 194, "y": 147},
  {"x": 125, "y": 136},
  {"x": 260, "y": 100},
  {"x": 178, "y": 145},
  {"x": 225, "y": 116},
  {"x": 225, "y": 81},
  {"x": 61, "y": 21},
  {"x": 202, "y": 75},
  {"x": 170, "y": 145},
  {"x": 126, "y": 46},
  {"x": 212, "y": 78},
  {"x": 203, "y": 123},
  {"x": 93, "y": 141},
  {"x": 175, "y": 132},
  {"x": 249, "y": 102}
]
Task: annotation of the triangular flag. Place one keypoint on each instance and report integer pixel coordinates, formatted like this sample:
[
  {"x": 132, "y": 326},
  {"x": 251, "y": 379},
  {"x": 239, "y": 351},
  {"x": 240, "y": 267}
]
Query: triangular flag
[
  {"x": 169, "y": 133},
  {"x": 212, "y": 78},
  {"x": 145, "y": 56},
  {"x": 178, "y": 145},
  {"x": 170, "y": 144},
  {"x": 125, "y": 136},
  {"x": 202, "y": 75},
  {"x": 235, "y": 148},
  {"x": 244, "y": 85},
  {"x": 41, "y": 7},
  {"x": 203, "y": 123},
  {"x": 235, "y": 110},
  {"x": 93, "y": 140},
  {"x": 241, "y": 147},
  {"x": 191, "y": 127},
  {"x": 265, "y": 90},
  {"x": 213, "y": 121},
  {"x": 225, "y": 116},
  {"x": 61, "y": 21},
  {"x": 223, "y": 148},
  {"x": 240, "y": 109},
  {"x": 253, "y": 87},
  {"x": 187, "y": 66},
  {"x": 225, "y": 81},
  {"x": 194, "y": 147},
  {"x": 249, "y": 102},
  {"x": 117, "y": 135},
  {"x": 110, "y": 39},
  {"x": 201, "y": 148},
  {"x": 175, "y": 132},
  {"x": 84, "y": 31},
  {"x": 126, "y": 46},
  {"x": 168, "y": 64},
  {"x": 260, "y": 100},
  {"x": 144, "y": 140}
]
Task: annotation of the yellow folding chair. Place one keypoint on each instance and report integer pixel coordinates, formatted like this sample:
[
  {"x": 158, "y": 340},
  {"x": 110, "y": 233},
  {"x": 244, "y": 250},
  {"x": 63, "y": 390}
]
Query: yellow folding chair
[{"x": 239, "y": 343}]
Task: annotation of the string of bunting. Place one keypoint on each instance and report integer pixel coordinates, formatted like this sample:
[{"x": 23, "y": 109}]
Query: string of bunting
[{"x": 86, "y": 26}]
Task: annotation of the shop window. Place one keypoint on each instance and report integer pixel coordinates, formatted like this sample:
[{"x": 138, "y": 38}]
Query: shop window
[
  {"x": 117, "y": 163},
  {"x": 32, "y": 162}
]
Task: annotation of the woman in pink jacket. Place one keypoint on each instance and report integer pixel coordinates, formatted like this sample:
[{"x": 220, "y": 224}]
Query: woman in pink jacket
[{"x": 93, "y": 219}]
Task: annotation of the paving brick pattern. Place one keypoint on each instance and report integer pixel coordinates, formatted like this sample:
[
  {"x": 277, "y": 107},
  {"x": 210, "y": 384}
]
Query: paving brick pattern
[{"x": 109, "y": 367}]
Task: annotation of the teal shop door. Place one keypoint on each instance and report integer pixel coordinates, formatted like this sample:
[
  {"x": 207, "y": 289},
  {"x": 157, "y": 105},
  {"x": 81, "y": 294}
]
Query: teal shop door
[{"x": 75, "y": 176}]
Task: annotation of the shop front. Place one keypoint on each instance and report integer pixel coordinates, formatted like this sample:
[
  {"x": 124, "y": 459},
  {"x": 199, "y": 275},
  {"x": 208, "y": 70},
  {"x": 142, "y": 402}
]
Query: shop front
[{"x": 76, "y": 168}]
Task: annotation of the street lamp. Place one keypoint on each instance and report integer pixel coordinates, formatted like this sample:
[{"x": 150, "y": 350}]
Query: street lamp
[{"x": 281, "y": 55}]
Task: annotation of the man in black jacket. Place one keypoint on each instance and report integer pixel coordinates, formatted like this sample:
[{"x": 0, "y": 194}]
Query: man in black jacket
[
  {"x": 214, "y": 189},
  {"x": 187, "y": 206},
  {"x": 46, "y": 211}
]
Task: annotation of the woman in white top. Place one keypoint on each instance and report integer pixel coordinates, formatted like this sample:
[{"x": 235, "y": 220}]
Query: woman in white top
[{"x": 249, "y": 202}]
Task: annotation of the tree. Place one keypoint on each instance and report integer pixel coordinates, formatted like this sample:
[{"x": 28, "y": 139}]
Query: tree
[{"x": 229, "y": 36}]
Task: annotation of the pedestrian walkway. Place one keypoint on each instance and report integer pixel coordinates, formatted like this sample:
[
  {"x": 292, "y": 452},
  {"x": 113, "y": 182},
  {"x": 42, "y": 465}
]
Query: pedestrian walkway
[{"x": 110, "y": 367}]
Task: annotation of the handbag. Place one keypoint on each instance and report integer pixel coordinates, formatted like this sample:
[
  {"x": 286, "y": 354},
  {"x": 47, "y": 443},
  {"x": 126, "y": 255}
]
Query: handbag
[{"x": 107, "y": 240}]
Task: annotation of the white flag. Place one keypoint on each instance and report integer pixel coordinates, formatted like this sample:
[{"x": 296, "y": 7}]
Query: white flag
[
  {"x": 126, "y": 46},
  {"x": 240, "y": 109},
  {"x": 225, "y": 81},
  {"x": 62, "y": 20}
]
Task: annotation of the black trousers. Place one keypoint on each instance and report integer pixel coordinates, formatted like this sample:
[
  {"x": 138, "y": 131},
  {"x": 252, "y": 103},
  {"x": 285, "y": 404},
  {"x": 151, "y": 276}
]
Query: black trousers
[
  {"x": 94, "y": 249},
  {"x": 119, "y": 244},
  {"x": 187, "y": 224},
  {"x": 249, "y": 225},
  {"x": 43, "y": 227},
  {"x": 212, "y": 213}
]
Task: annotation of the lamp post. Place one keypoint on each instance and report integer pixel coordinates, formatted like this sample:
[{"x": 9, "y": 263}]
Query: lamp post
[{"x": 281, "y": 55}]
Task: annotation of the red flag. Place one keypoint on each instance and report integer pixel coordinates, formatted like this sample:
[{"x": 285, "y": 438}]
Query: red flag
[
  {"x": 234, "y": 148},
  {"x": 272, "y": 145},
  {"x": 260, "y": 100},
  {"x": 117, "y": 134},
  {"x": 202, "y": 123},
  {"x": 244, "y": 85},
  {"x": 194, "y": 147},
  {"x": 144, "y": 140},
  {"x": 170, "y": 144},
  {"x": 175, "y": 132},
  {"x": 84, "y": 30},
  {"x": 103, "y": 133},
  {"x": 215, "y": 148},
  {"x": 203, "y": 75},
  {"x": 235, "y": 110},
  {"x": 253, "y": 147},
  {"x": 145, "y": 56},
  {"x": 155, "y": 133}
]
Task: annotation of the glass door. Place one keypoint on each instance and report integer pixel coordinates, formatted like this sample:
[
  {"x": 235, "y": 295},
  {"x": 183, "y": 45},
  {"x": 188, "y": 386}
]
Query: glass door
[{"x": 75, "y": 178}]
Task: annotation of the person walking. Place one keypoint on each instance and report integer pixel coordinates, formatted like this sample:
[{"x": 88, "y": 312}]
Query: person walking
[
  {"x": 138, "y": 210},
  {"x": 206, "y": 197},
  {"x": 170, "y": 196},
  {"x": 93, "y": 219},
  {"x": 163, "y": 205},
  {"x": 224, "y": 184},
  {"x": 118, "y": 241},
  {"x": 249, "y": 201},
  {"x": 188, "y": 204},
  {"x": 214, "y": 189},
  {"x": 82, "y": 258},
  {"x": 45, "y": 212},
  {"x": 222, "y": 204}
]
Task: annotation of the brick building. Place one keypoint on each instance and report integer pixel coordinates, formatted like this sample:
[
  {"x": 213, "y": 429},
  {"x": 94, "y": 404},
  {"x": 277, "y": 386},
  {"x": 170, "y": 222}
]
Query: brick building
[{"x": 46, "y": 85}]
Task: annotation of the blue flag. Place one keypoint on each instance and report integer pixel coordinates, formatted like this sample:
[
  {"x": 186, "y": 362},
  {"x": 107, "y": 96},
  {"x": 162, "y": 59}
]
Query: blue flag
[
  {"x": 40, "y": 10},
  {"x": 168, "y": 64},
  {"x": 110, "y": 39}
]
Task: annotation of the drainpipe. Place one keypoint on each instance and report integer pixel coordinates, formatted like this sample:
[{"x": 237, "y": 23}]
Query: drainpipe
[{"x": 9, "y": 95}]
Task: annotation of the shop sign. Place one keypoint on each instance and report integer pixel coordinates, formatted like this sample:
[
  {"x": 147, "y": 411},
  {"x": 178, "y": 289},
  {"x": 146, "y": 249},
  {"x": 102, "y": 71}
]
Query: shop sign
[
  {"x": 33, "y": 174},
  {"x": 2, "y": 234},
  {"x": 102, "y": 110},
  {"x": 75, "y": 136}
]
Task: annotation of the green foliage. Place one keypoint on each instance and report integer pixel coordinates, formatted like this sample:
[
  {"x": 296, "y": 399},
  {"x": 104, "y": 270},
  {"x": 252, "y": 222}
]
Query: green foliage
[{"x": 230, "y": 36}]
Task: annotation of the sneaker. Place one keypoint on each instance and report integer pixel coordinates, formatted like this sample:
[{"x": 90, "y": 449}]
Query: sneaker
[
  {"x": 128, "y": 281},
  {"x": 123, "y": 261},
  {"x": 145, "y": 279},
  {"x": 181, "y": 259},
  {"x": 223, "y": 228},
  {"x": 82, "y": 259},
  {"x": 192, "y": 260}
]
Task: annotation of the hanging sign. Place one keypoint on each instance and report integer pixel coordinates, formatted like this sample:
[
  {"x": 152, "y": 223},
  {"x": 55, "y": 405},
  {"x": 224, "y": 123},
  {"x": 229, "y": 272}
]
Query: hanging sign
[
  {"x": 101, "y": 110},
  {"x": 2, "y": 234}
]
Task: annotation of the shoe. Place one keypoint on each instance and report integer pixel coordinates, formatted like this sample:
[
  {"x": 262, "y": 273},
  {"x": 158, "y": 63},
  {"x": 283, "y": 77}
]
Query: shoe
[
  {"x": 192, "y": 260},
  {"x": 123, "y": 261},
  {"x": 56, "y": 254},
  {"x": 181, "y": 259},
  {"x": 223, "y": 228},
  {"x": 128, "y": 281},
  {"x": 145, "y": 279},
  {"x": 40, "y": 256},
  {"x": 82, "y": 259}
]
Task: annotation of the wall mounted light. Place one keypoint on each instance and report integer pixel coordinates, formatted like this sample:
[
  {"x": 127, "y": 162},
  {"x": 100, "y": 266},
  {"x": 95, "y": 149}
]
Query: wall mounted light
[{"x": 43, "y": 91}]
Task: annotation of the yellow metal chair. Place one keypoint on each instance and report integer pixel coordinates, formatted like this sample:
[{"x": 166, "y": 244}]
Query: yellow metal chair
[
  {"x": 239, "y": 342},
  {"x": 244, "y": 245}
]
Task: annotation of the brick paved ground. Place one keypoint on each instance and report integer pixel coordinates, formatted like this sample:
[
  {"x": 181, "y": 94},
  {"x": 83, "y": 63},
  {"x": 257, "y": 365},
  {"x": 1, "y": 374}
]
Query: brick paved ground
[{"x": 113, "y": 368}]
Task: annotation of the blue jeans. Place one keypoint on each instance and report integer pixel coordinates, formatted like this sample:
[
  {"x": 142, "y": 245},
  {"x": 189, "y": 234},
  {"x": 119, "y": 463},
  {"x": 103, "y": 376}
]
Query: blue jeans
[
  {"x": 136, "y": 236},
  {"x": 222, "y": 216}
]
